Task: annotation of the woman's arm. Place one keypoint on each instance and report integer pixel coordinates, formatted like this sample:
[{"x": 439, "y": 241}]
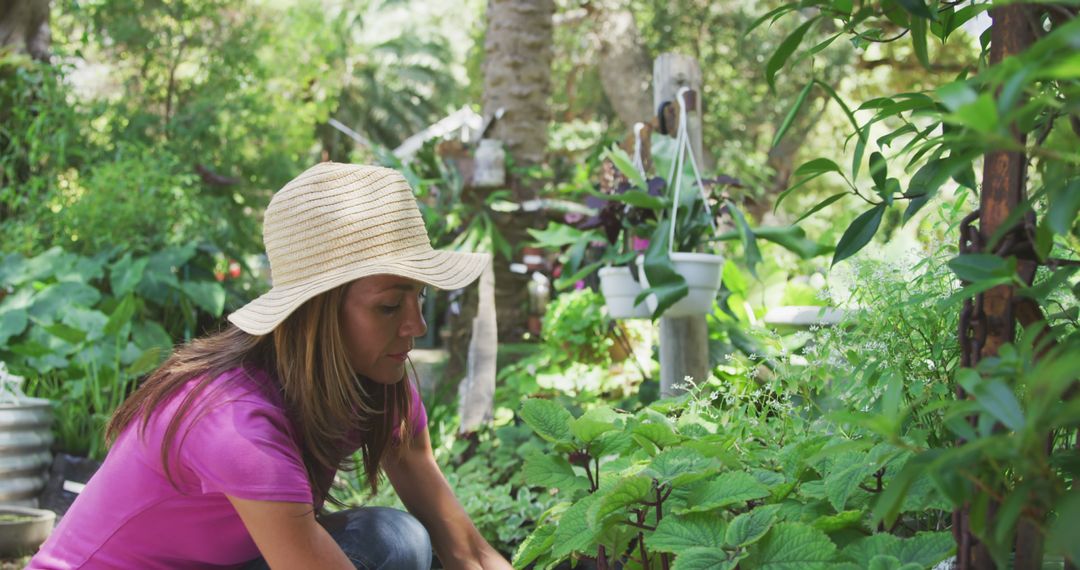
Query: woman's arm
[
  {"x": 421, "y": 485},
  {"x": 288, "y": 535}
]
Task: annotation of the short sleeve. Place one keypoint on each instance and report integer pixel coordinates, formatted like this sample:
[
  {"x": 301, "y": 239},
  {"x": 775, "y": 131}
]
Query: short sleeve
[
  {"x": 244, "y": 449},
  {"x": 417, "y": 415}
]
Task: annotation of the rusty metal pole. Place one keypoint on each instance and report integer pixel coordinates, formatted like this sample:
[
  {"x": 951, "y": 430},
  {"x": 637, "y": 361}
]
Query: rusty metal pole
[{"x": 990, "y": 317}]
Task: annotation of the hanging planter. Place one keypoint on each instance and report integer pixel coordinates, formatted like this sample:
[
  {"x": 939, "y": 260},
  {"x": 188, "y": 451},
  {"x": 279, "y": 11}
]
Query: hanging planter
[
  {"x": 620, "y": 290},
  {"x": 702, "y": 273}
]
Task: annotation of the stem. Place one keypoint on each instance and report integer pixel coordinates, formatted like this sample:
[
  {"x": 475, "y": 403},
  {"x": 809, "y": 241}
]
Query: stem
[{"x": 664, "y": 563}]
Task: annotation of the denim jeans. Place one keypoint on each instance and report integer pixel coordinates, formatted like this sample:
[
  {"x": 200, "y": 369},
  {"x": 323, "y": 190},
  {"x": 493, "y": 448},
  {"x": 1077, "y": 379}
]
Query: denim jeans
[{"x": 375, "y": 538}]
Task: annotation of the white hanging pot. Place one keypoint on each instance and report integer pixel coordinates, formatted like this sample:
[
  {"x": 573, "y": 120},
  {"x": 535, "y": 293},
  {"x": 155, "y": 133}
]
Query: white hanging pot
[
  {"x": 702, "y": 272},
  {"x": 620, "y": 290}
]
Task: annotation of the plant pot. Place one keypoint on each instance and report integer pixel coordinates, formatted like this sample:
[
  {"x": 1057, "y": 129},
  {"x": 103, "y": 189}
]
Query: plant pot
[
  {"x": 702, "y": 272},
  {"x": 620, "y": 290},
  {"x": 22, "y": 530}
]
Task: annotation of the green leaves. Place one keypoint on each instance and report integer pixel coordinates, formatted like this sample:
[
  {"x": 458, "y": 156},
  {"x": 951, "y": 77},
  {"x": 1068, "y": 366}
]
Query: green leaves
[
  {"x": 924, "y": 549},
  {"x": 994, "y": 397},
  {"x": 678, "y": 533},
  {"x": 727, "y": 489},
  {"x": 552, "y": 471},
  {"x": 848, "y": 470},
  {"x": 976, "y": 267},
  {"x": 789, "y": 119},
  {"x": 208, "y": 295},
  {"x": 615, "y": 499},
  {"x": 792, "y": 546},
  {"x": 859, "y": 233},
  {"x": 548, "y": 419},
  {"x": 749, "y": 527},
  {"x": 595, "y": 422},
  {"x": 787, "y": 47}
]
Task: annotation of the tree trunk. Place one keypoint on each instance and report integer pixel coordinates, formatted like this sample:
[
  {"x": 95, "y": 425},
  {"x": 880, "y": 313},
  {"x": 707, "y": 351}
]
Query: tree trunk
[
  {"x": 625, "y": 65},
  {"x": 24, "y": 26},
  {"x": 517, "y": 79}
]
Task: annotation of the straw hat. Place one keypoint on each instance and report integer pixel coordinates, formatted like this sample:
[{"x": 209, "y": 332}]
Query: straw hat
[{"x": 339, "y": 222}]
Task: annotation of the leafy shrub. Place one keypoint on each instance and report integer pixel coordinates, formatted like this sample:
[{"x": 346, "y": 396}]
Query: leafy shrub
[
  {"x": 670, "y": 483},
  {"x": 82, "y": 330},
  {"x": 576, "y": 325}
]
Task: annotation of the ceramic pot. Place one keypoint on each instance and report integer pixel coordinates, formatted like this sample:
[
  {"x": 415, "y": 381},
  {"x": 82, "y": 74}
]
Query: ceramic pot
[
  {"x": 702, "y": 272},
  {"x": 620, "y": 290}
]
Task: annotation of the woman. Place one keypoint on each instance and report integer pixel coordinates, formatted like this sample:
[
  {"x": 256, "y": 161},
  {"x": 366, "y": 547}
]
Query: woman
[{"x": 224, "y": 455}]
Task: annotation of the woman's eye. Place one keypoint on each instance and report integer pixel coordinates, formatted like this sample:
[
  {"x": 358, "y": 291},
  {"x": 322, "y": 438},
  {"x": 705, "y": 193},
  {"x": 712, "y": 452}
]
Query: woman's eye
[{"x": 389, "y": 309}]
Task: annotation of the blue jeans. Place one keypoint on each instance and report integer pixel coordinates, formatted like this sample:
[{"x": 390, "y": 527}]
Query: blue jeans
[{"x": 375, "y": 538}]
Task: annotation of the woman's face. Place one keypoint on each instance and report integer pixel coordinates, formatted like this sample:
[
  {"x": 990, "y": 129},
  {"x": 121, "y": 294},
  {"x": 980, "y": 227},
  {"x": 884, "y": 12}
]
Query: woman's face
[{"x": 380, "y": 317}]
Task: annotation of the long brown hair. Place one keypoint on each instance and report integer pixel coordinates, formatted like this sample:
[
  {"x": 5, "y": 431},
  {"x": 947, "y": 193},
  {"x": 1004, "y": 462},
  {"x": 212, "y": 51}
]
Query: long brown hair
[{"x": 327, "y": 402}]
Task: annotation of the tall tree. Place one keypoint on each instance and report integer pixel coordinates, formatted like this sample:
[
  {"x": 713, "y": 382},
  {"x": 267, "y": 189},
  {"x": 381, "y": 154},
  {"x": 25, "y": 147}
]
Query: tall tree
[
  {"x": 24, "y": 27},
  {"x": 517, "y": 79}
]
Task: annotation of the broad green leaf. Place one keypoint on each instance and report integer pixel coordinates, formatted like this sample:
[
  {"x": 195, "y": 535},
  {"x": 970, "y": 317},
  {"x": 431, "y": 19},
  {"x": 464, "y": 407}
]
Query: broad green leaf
[
  {"x": 884, "y": 562},
  {"x": 859, "y": 233},
  {"x": 664, "y": 282},
  {"x": 956, "y": 94},
  {"x": 980, "y": 115},
  {"x": 752, "y": 256},
  {"x": 51, "y": 302},
  {"x": 573, "y": 533},
  {"x": 749, "y": 527},
  {"x": 839, "y": 521},
  {"x": 927, "y": 549},
  {"x": 816, "y": 166},
  {"x": 994, "y": 396},
  {"x": 12, "y": 323},
  {"x": 677, "y": 533},
  {"x": 729, "y": 488},
  {"x": 1061, "y": 538},
  {"x": 661, "y": 434},
  {"x": 879, "y": 169},
  {"x": 146, "y": 361},
  {"x": 700, "y": 558},
  {"x": 66, "y": 333},
  {"x": 863, "y": 550},
  {"x": 537, "y": 543},
  {"x": 126, "y": 274},
  {"x": 616, "y": 499},
  {"x": 792, "y": 546},
  {"x": 916, "y": 8},
  {"x": 120, "y": 316},
  {"x": 924, "y": 186},
  {"x": 681, "y": 465},
  {"x": 918, "y": 41},
  {"x": 792, "y": 113},
  {"x": 595, "y": 422},
  {"x": 636, "y": 198},
  {"x": 1064, "y": 205},
  {"x": 975, "y": 267},
  {"x": 787, "y": 47},
  {"x": 559, "y": 235},
  {"x": 208, "y": 295},
  {"x": 548, "y": 419},
  {"x": 847, "y": 472},
  {"x": 553, "y": 472}
]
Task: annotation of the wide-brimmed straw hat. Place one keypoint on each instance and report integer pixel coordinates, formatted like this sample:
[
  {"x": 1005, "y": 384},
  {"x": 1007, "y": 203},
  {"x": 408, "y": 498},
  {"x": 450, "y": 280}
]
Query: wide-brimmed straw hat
[{"x": 339, "y": 222}]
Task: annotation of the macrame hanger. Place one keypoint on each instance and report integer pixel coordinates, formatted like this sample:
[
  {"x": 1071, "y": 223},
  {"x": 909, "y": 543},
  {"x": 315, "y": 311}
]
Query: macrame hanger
[
  {"x": 682, "y": 145},
  {"x": 639, "y": 162}
]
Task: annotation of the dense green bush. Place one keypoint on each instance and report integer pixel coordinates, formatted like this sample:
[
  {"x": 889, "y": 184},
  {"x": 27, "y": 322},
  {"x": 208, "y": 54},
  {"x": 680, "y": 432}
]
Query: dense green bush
[{"x": 83, "y": 330}]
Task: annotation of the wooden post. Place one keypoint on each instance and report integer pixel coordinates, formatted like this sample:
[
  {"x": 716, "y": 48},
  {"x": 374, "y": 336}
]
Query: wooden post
[{"x": 684, "y": 341}]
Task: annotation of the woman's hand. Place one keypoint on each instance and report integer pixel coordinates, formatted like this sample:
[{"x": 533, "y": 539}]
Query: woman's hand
[{"x": 424, "y": 491}]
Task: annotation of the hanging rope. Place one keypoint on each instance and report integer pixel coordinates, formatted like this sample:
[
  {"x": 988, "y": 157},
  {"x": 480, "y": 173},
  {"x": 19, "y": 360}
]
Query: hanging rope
[{"x": 682, "y": 145}]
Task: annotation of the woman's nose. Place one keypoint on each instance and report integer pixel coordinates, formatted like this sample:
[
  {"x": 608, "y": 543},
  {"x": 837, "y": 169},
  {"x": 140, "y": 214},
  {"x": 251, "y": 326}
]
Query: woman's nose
[{"x": 414, "y": 324}]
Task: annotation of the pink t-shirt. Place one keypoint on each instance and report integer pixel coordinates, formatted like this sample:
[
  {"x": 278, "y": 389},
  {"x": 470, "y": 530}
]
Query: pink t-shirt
[{"x": 236, "y": 440}]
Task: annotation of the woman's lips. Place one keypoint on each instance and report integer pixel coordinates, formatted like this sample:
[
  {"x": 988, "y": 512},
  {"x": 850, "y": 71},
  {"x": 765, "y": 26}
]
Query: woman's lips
[{"x": 400, "y": 357}]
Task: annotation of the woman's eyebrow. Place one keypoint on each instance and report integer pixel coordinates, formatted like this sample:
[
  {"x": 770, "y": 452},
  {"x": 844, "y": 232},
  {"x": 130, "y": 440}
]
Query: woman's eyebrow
[{"x": 404, "y": 287}]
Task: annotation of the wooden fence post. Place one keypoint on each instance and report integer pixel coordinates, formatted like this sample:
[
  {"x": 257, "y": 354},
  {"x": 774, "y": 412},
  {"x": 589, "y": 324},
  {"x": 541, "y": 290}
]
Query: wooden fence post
[{"x": 684, "y": 341}]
